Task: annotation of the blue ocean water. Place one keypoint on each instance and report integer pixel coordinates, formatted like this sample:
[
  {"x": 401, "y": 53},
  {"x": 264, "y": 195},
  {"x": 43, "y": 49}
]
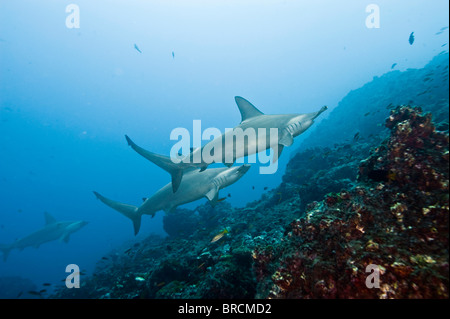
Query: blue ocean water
[{"x": 69, "y": 95}]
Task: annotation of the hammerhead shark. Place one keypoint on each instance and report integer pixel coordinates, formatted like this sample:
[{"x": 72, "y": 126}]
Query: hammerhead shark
[
  {"x": 288, "y": 126},
  {"x": 52, "y": 230},
  {"x": 194, "y": 186}
]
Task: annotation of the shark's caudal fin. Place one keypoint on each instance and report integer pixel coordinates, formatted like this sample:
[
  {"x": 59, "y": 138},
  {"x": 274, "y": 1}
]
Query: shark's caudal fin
[
  {"x": 5, "y": 250},
  {"x": 129, "y": 211},
  {"x": 247, "y": 109},
  {"x": 165, "y": 162}
]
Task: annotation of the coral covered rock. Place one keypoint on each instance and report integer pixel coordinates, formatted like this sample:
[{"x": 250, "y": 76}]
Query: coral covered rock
[{"x": 395, "y": 219}]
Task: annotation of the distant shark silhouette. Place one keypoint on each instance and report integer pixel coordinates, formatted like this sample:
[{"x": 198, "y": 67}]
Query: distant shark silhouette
[
  {"x": 194, "y": 186},
  {"x": 52, "y": 230},
  {"x": 288, "y": 125}
]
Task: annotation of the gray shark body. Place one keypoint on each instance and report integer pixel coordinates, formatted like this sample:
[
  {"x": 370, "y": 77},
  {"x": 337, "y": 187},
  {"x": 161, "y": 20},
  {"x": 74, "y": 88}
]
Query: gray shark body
[
  {"x": 195, "y": 185},
  {"x": 53, "y": 230},
  {"x": 287, "y": 126},
  {"x": 226, "y": 150}
]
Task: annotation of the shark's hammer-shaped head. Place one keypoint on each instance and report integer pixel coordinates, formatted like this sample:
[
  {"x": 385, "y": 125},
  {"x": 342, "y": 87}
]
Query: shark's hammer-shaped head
[
  {"x": 231, "y": 175},
  {"x": 301, "y": 122},
  {"x": 74, "y": 226}
]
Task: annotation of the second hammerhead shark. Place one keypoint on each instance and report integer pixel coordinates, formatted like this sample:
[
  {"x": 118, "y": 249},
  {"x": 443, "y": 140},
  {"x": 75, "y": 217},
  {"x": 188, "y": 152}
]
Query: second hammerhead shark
[{"x": 194, "y": 186}]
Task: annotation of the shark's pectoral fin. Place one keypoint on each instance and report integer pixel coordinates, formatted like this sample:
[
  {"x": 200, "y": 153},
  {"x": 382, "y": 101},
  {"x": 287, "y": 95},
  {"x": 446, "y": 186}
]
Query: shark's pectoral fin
[
  {"x": 277, "y": 155},
  {"x": 213, "y": 195},
  {"x": 286, "y": 139},
  {"x": 177, "y": 175},
  {"x": 65, "y": 238}
]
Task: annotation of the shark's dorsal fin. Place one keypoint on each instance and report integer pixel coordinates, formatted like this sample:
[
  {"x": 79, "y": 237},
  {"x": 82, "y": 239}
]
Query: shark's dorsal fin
[
  {"x": 49, "y": 219},
  {"x": 247, "y": 109}
]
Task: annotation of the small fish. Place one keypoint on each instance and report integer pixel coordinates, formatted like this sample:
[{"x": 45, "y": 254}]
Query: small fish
[
  {"x": 42, "y": 291},
  {"x": 265, "y": 188},
  {"x": 173, "y": 55},
  {"x": 368, "y": 113},
  {"x": 389, "y": 106},
  {"x": 221, "y": 199},
  {"x": 138, "y": 278},
  {"x": 144, "y": 199},
  {"x": 162, "y": 283},
  {"x": 137, "y": 48},
  {"x": 253, "y": 187},
  {"x": 391, "y": 176},
  {"x": 219, "y": 235},
  {"x": 443, "y": 45},
  {"x": 444, "y": 28},
  {"x": 281, "y": 196},
  {"x": 229, "y": 195},
  {"x": 46, "y": 284},
  {"x": 411, "y": 38},
  {"x": 427, "y": 79},
  {"x": 393, "y": 65},
  {"x": 127, "y": 251},
  {"x": 105, "y": 258},
  {"x": 437, "y": 33},
  {"x": 201, "y": 266},
  {"x": 20, "y": 294},
  {"x": 356, "y": 137},
  {"x": 422, "y": 93}
]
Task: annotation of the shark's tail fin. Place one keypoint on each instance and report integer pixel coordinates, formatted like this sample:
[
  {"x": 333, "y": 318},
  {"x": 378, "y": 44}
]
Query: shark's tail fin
[
  {"x": 5, "y": 250},
  {"x": 165, "y": 162},
  {"x": 129, "y": 211}
]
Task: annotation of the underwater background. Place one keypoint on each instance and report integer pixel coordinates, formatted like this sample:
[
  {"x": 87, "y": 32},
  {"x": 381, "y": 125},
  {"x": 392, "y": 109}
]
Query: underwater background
[{"x": 69, "y": 95}]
